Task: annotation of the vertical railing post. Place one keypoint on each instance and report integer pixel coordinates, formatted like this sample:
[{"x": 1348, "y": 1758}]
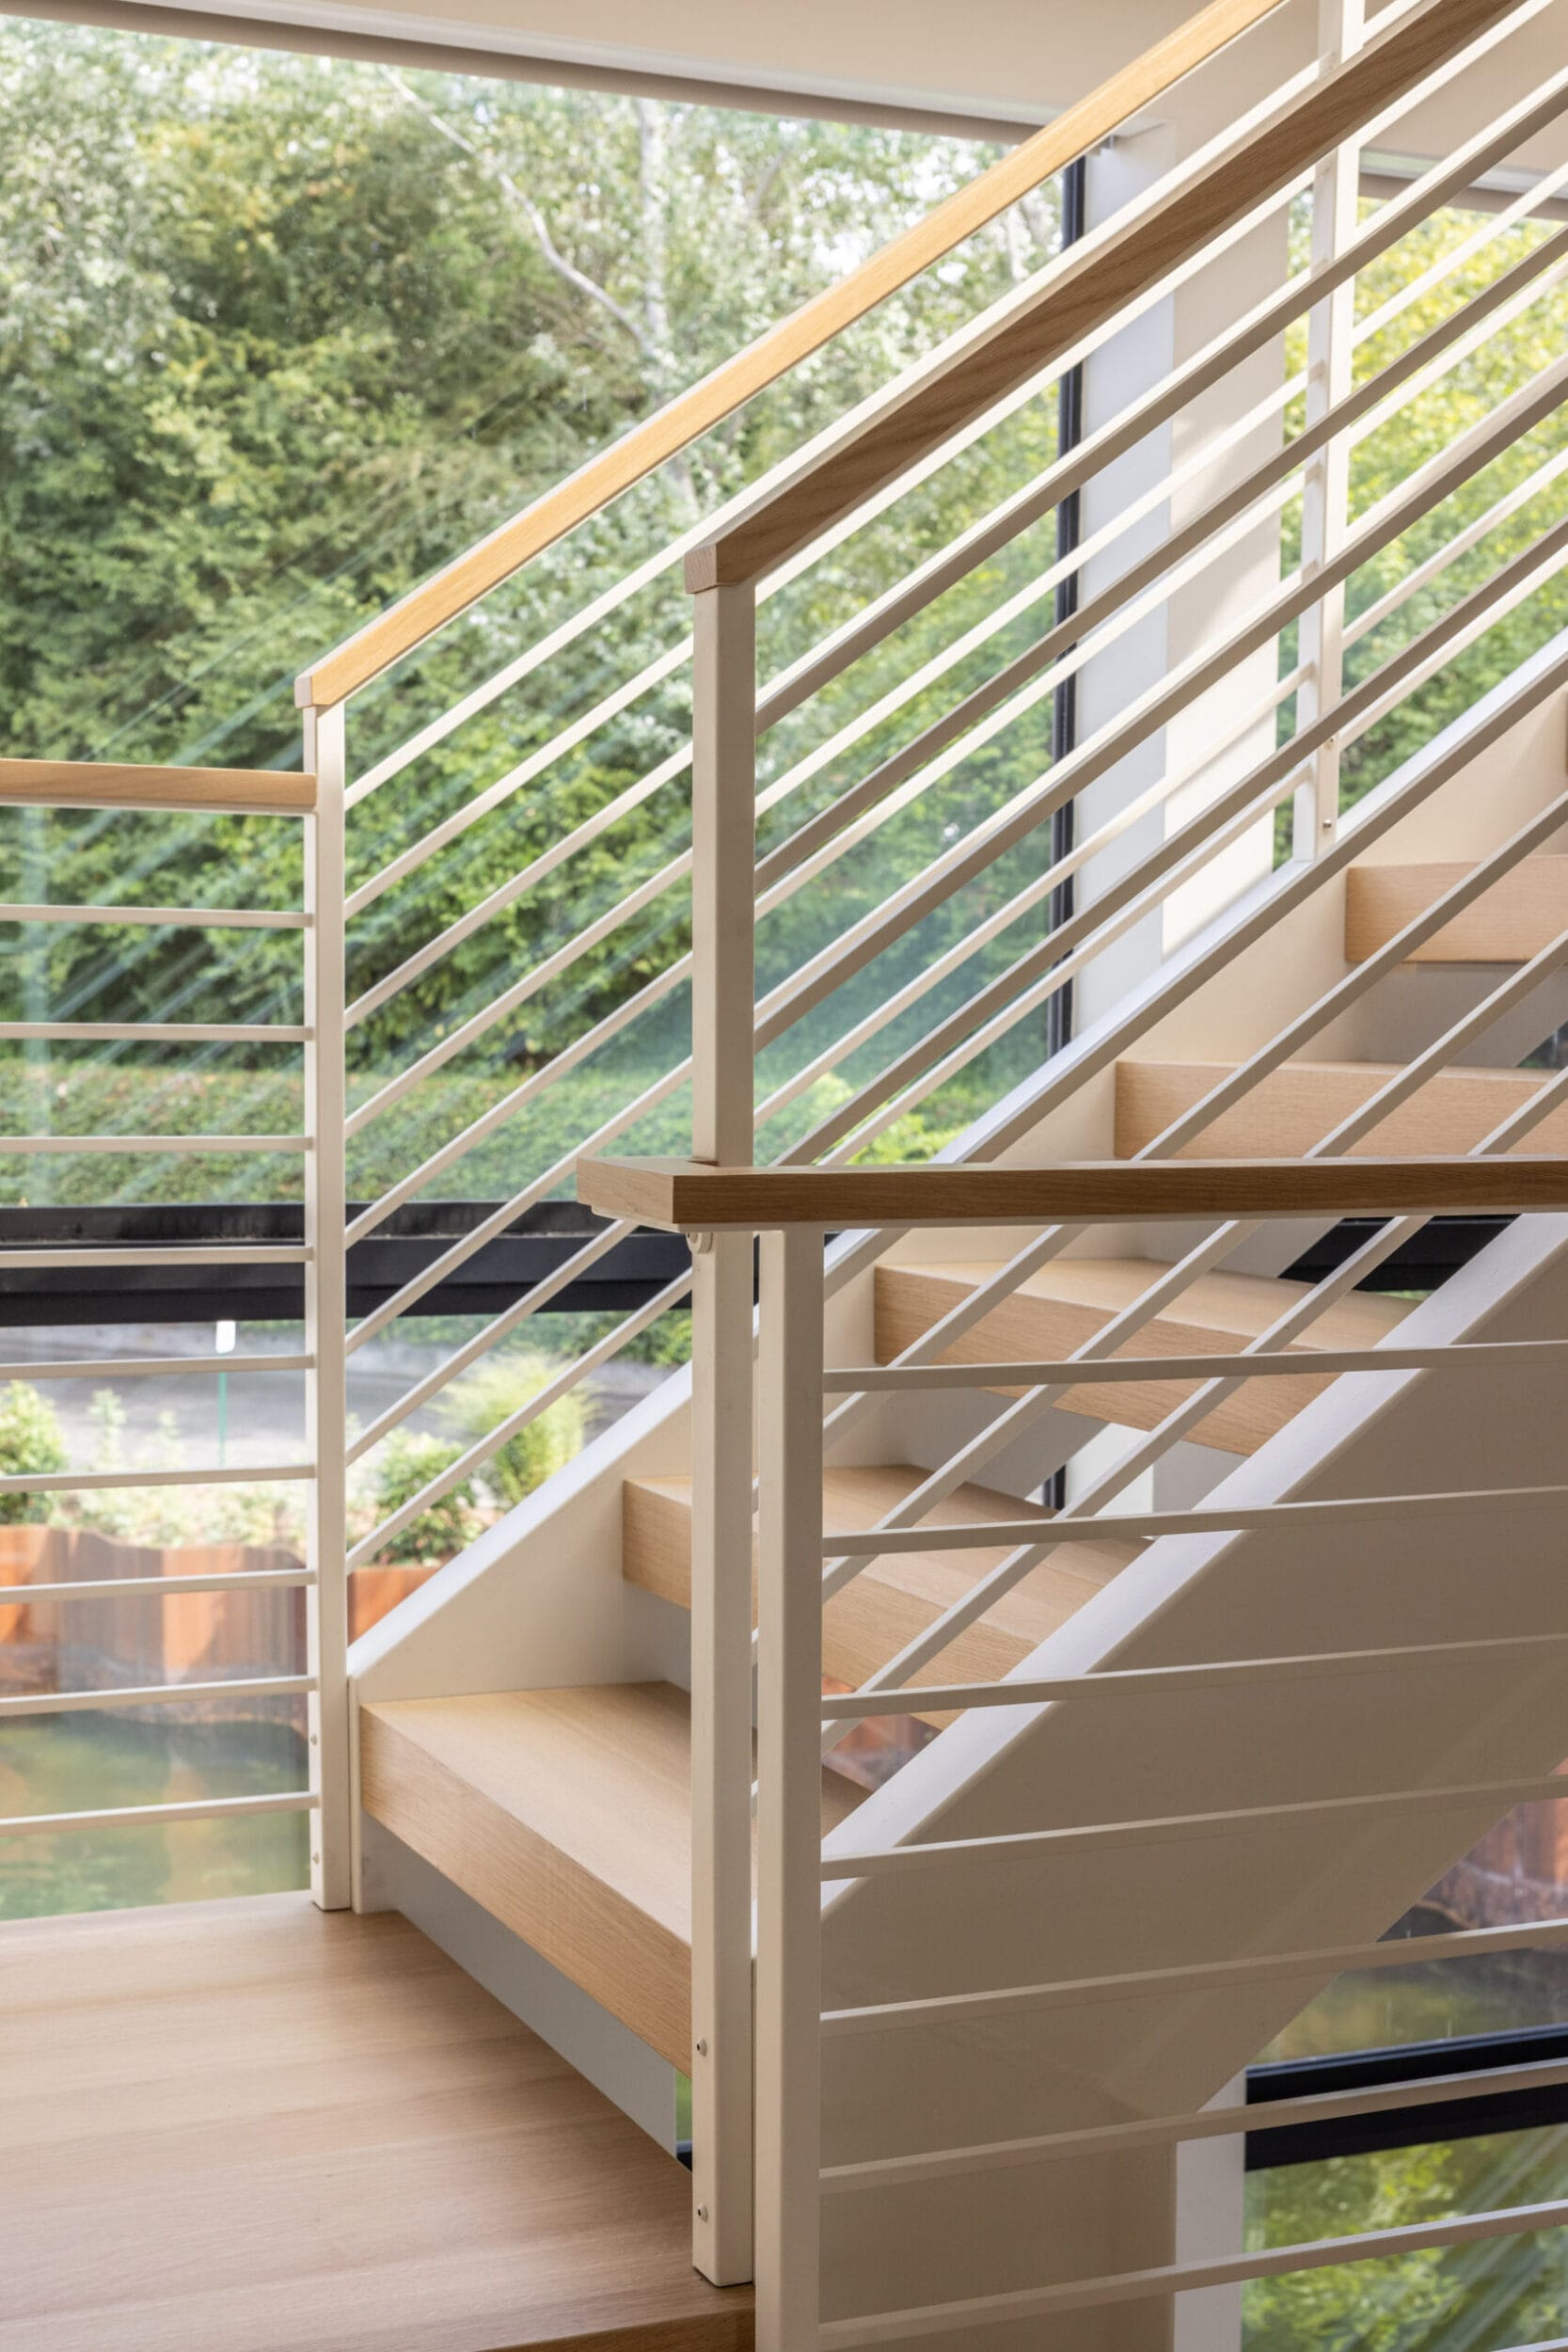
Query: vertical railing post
[
  {"x": 789, "y": 1795},
  {"x": 724, "y": 819},
  {"x": 325, "y": 1318},
  {"x": 1325, "y": 480}
]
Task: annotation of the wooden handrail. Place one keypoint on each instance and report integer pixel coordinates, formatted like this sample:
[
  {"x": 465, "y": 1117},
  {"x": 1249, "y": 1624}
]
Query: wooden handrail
[
  {"x": 107, "y": 783},
  {"x": 688, "y": 1197},
  {"x": 406, "y": 624},
  {"x": 1084, "y": 294}
]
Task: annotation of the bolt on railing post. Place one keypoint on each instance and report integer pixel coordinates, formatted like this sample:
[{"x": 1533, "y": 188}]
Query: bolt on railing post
[
  {"x": 325, "y": 1318},
  {"x": 724, "y": 889},
  {"x": 1326, "y": 478},
  {"x": 789, "y": 1795}
]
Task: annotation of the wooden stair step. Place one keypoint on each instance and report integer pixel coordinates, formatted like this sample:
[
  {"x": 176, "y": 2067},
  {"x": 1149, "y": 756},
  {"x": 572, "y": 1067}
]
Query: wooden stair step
[
  {"x": 567, "y": 1815},
  {"x": 1289, "y": 1112},
  {"x": 1056, "y": 1311},
  {"x": 1507, "y": 924},
  {"x": 896, "y": 1597}
]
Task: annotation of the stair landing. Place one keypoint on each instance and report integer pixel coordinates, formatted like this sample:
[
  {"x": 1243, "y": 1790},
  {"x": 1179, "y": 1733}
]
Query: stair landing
[{"x": 244, "y": 2125}]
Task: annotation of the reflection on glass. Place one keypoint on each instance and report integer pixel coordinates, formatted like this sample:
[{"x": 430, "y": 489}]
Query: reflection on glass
[
  {"x": 1503, "y": 2292},
  {"x": 1518, "y": 1872}
]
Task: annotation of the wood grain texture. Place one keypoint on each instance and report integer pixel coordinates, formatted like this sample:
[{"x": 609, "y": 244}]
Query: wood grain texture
[
  {"x": 1516, "y": 919},
  {"x": 684, "y": 420},
  {"x": 249, "y": 2126},
  {"x": 895, "y": 1598},
  {"x": 691, "y": 1198},
  {"x": 568, "y": 1814},
  {"x": 1064, "y": 1306},
  {"x": 1295, "y": 1107},
  {"x": 1083, "y": 295},
  {"x": 102, "y": 784}
]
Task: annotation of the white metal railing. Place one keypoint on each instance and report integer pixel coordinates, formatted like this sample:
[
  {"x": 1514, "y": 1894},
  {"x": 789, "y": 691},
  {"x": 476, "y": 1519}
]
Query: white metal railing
[
  {"x": 321, "y": 1576},
  {"x": 794, "y": 1867}
]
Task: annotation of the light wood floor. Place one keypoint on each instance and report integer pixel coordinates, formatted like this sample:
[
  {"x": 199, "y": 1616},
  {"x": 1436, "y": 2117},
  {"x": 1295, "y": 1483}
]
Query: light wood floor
[{"x": 248, "y": 2127}]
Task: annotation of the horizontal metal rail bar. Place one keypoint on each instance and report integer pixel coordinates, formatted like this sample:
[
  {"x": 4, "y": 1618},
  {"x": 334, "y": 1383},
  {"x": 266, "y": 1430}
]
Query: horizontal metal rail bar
[
  {"x": 1064, "y": 1373},
  {"x": 453, "y": 1366},
  {"x": 1036, "y": 977},
  {"x": 1006, "y": 827},
  {"x": 437, "y": 1489},
  {"x": 1209, "y": 1520},
  {"x": 1189, "y": 208},
  {"x": 1175, "y": 1828},
  {"x": 170, "y": 1587},
  {"x": 995, "y": 924},
  {"x": 152, "y": 1693},
  {"x": 153, "y": 1033},
  {"x": 992, "y": 1587},
  {"x": 1182, "y": 556},
  {"x": 1105, "y": 1343},
  {"x": 106, "y": 784},
  {"x": 1204, "y": 1976},
  {"x": 523, "y": 773},
  {"x": 1133, "y": 1682},
  {"x": 1207, "y": 367},
  {"x": 451, "y": 828},
  {"x": 1410, "y": 584},
  {"x": 1429, "y": 772},
  {"x": 111, "y": 1481},
  {"x": 1170, "y": 2131},
  {"x": 1140, "y": 2286},
  {"x": 70, "y": 1144},
  {"x": 609, "y": 476},
  {"x": 203, "y": 918},
  {"x": 148, "y": 1367},
  {"x": 132, "y": 1816},
  {"x": 178, "y": 1254}
]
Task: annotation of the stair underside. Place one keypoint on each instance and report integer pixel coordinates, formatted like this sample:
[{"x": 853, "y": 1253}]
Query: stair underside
[
  {"x": 895, "y": 1598},
  {"x": 1507, "y": 924},
  {"x": 1058, "y": 1309},
  {"x": 567, "y": 1814},
  {"x": 1291, "y": 1111},
  {"x": 248, "y": 2125}
]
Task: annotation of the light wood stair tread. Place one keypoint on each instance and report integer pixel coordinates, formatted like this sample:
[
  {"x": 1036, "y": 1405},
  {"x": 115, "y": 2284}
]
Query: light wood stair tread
[
  {"x": 1514, "y": 920},
  {"x": 897, "y": 1596},
  {"x": 567, "y": 1814},
  {"x": 1291, "y": 1111},
  {"x": 1058, "y": 1309},
  {"x": 247, "y": 2124}
]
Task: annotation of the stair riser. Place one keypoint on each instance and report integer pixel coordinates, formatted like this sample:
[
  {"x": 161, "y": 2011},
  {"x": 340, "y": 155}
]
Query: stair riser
[
  {"x": 1512, "y": 922},
  {"x": 1289, "y": 1112},
  {"x": 910, "y": 1300},
  {"x": 874, "y": 1619}
]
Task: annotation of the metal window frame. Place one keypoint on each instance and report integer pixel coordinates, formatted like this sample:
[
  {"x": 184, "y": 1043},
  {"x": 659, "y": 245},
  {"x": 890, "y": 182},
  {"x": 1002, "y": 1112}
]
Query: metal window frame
[{"x": 1404, "y": 2127}]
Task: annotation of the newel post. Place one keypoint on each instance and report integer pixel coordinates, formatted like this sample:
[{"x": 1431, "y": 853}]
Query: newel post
[
  {"x": 724, "y": 822},
  {"x": 326, "y": 1317}
]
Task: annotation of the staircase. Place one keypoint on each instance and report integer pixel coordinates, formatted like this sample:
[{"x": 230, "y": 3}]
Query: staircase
[{"x": 1085, "y": 1304}]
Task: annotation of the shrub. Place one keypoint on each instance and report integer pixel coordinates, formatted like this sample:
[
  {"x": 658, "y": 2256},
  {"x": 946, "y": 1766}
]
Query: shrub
[
  {"x": 492, "y": 1395},
  {"x": 407, "y": 1462},
  {"x": 30, "y": 1442}
]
